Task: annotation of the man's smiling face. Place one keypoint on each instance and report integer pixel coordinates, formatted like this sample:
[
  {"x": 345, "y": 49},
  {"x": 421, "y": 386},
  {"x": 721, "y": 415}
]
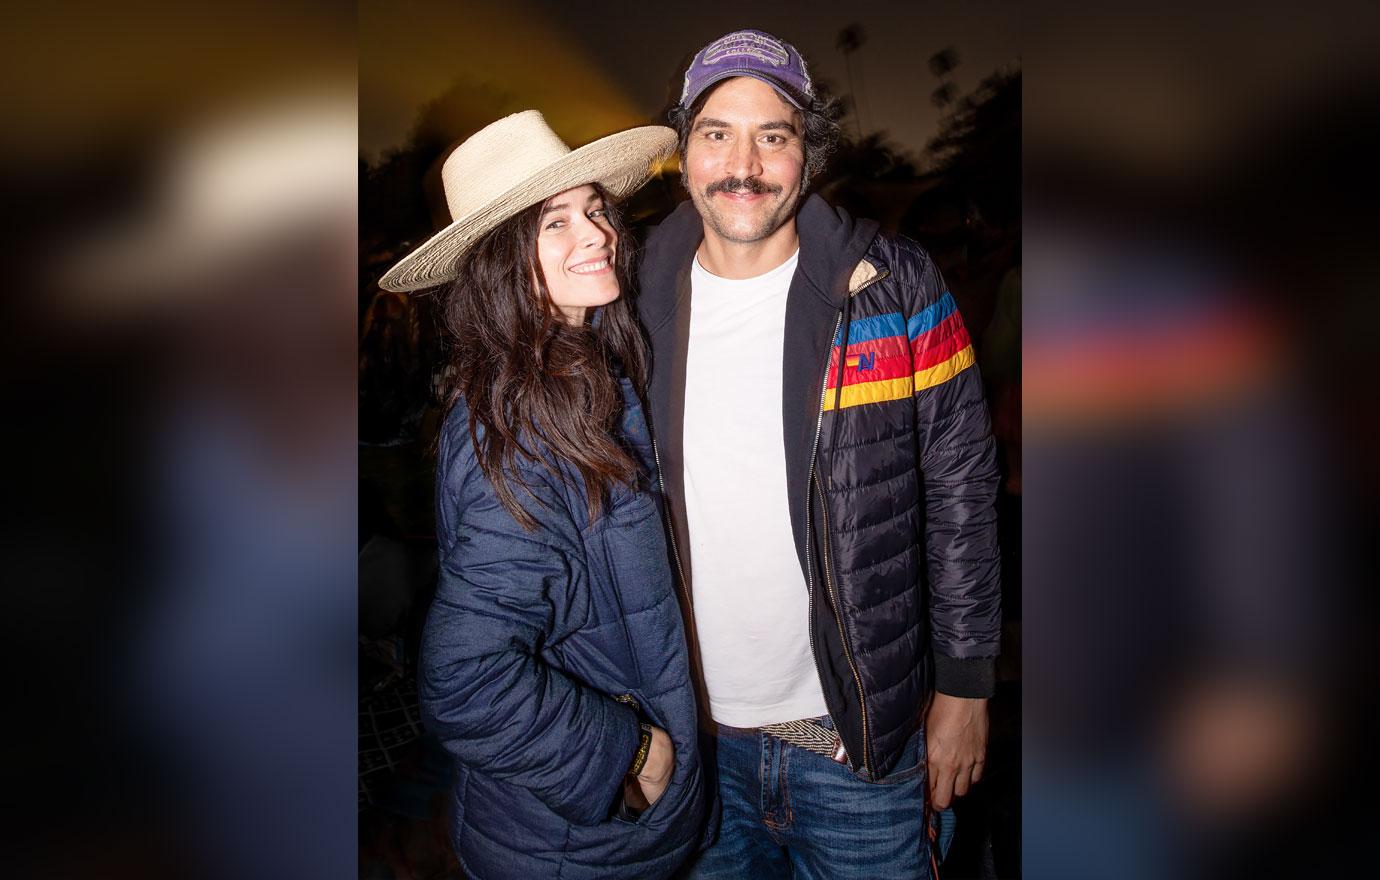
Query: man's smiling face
[{"x": 744, "y": 161}]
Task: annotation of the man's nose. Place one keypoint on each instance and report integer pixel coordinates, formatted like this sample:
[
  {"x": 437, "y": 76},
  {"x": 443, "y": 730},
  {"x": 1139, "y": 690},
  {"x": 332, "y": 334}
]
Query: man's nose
[{"x": 745, "y": 160}]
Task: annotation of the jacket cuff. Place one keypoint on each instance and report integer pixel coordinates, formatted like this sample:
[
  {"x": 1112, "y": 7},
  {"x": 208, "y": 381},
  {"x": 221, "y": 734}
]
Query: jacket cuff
[{"x": 973, "y": 678}]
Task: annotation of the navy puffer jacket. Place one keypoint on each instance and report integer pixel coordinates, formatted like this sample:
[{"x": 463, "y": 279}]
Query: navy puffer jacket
[{"x": 540, "y": 651}]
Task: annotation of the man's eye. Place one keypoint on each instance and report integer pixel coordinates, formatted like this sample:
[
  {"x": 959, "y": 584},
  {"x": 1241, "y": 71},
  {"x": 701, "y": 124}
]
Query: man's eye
[{"x": 716, "y": 135}]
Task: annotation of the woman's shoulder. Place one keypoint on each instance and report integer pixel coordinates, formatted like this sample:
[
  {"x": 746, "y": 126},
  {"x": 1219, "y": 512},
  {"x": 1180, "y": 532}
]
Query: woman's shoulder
[
  {"x": 454, "y": 446},
  {"x": 460, "y": 481}
]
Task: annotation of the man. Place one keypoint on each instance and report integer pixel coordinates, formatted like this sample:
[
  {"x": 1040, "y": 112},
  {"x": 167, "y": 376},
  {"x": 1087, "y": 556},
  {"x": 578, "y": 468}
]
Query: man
[{"x": 830, "y": 476}]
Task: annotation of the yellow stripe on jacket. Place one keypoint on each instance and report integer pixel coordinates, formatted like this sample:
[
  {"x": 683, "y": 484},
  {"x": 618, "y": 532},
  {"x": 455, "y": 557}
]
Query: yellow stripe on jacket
[{"x": 941, "y": 373}]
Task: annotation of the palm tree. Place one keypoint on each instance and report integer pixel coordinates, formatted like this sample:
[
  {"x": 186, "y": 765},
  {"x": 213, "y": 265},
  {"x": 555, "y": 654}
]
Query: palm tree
[
  {"x": 850, "y": 40},
  {"x": 942, "y": 65}
]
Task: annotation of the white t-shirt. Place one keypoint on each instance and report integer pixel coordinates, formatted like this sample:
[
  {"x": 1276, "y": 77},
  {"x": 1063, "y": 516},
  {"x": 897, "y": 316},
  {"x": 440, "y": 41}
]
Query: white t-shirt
[{"x": 750, "y": 598}]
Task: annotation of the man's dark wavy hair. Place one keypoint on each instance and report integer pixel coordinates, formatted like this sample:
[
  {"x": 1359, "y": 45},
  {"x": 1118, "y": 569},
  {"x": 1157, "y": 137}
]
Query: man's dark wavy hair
[
  {"x": 543, "y": 390},
  {"x": 819, "y": 131}
]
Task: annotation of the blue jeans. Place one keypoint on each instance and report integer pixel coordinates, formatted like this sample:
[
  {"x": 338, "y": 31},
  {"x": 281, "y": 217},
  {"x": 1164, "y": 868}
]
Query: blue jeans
[{"x": 788, "y": 812}]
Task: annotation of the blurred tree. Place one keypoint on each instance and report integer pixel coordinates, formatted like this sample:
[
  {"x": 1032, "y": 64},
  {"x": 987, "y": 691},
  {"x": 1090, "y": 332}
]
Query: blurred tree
[
  {"x": 944, "y": 62},
  {"x": 393, "y": 205},
  {"x": 871, "y": 158},
  {"x": 978, "y": 147},
  {"x": 942, "y": 65},
  {"x": 394, "y": 208},
  {"x": 863, "y": 159},
  {"x": 851, "y": 39}
]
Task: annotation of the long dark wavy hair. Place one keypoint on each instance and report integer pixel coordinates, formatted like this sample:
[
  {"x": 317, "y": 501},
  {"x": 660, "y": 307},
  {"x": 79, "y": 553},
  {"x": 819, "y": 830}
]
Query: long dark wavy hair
[{"x": 542, "y": 389}]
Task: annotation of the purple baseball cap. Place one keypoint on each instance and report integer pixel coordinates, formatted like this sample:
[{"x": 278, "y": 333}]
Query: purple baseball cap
[{"x": 749, "y": 53}]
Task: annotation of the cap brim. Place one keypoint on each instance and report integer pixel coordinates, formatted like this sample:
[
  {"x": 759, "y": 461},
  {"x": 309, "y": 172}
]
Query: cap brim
[
  {"x": 621, "y": 163},
  {"x": 796, "y": 99}
]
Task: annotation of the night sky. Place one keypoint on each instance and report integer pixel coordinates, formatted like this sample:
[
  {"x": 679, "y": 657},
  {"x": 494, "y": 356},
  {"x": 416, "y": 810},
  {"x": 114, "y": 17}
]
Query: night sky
[{"x": 595, "y": 68}]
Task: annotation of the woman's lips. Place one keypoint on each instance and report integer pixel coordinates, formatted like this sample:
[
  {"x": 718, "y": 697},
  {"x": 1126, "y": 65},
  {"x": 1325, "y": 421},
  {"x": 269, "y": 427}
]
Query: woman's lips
[{"x": 593, "y": 267}]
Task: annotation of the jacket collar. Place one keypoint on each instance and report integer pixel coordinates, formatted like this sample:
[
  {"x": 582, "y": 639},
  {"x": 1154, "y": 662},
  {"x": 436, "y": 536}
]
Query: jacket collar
[{"x": 832, "y": 245}]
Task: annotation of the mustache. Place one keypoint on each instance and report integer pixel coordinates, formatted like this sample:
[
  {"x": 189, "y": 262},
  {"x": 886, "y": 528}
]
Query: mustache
[{"x": 741, "y": 186}]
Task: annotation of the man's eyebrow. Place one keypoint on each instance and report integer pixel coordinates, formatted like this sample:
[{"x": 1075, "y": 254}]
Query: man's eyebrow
[
  {"x": 773, "y": 125},
  {"x": 710, "y": 122},
  {"x": 778, "y": 125}
]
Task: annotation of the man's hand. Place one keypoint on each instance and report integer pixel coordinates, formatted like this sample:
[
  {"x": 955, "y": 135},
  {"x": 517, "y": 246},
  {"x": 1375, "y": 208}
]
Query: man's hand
[
  {"x": 956, "y": 746},
  {"x": 647, "y": 787}
]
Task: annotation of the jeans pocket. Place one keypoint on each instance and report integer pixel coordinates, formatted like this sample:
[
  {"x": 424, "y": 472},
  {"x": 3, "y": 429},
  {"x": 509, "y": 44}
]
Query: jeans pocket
[{"x": 910, "y": 765}]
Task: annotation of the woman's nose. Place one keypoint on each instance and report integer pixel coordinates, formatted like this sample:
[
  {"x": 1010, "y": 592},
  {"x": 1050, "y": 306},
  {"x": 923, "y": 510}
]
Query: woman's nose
[{"x": 593, "y": 233}]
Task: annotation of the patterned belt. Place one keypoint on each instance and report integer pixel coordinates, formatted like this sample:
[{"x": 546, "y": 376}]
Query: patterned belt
[{"x": 811, "y": 736}]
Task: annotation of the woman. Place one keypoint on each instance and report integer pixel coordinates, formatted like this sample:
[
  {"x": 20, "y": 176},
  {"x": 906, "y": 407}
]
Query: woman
[{"x": 554, "y": 663}]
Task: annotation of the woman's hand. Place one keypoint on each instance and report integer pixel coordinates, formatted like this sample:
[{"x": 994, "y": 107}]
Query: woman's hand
[{"x": 647, "y": 787}]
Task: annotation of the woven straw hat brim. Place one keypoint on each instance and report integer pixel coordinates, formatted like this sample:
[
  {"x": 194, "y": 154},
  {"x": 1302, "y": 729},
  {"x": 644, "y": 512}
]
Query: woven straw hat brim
[{"x": 621, "y": 163}]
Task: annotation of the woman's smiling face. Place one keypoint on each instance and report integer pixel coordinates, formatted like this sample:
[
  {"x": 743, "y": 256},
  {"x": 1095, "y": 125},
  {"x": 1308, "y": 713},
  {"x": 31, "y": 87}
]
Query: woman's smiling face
[{"x": 576, "y": 245}]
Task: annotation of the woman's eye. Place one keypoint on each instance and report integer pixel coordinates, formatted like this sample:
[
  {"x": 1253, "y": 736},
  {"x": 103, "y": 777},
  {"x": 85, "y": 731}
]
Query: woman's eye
[
  {"x": 555, "y": 224},
  {"x": 597, "y": 213}
]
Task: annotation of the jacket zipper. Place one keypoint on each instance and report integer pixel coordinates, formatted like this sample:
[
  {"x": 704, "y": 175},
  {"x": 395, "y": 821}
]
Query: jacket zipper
[
  {"x": 809, "y": 569},
  {"x": 847, "y": 651},
  {"x": 824, "y": 510}
]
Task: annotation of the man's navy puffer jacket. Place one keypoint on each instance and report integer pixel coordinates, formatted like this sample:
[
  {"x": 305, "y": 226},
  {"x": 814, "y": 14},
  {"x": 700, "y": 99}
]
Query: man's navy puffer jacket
[
  {"x": 891, "y": 473},
  {"x": 536, "y": 649}
]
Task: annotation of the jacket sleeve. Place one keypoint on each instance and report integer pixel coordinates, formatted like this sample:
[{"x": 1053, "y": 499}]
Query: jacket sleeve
[
  {"x": 484, "y": 688},
  {"x": 959, "y": 469}
]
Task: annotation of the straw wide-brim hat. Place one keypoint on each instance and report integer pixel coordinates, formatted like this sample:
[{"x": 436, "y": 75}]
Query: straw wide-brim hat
[{"x": 512, "y": 164}]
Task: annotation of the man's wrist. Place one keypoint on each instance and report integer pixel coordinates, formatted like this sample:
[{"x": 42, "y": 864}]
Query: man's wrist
[{"x": 971, "y": 678}]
